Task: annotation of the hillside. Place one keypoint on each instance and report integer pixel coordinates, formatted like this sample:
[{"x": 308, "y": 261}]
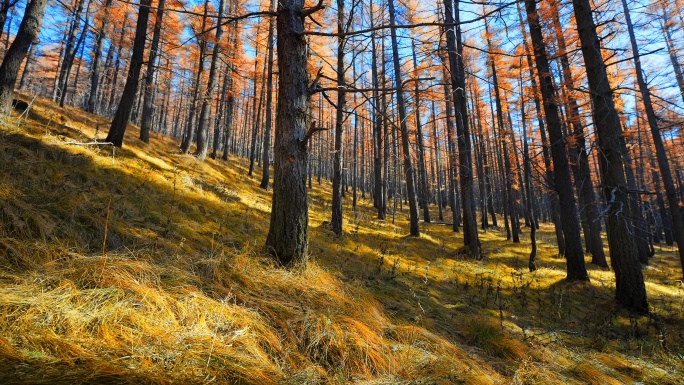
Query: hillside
[{"x": 145, "y": 266}]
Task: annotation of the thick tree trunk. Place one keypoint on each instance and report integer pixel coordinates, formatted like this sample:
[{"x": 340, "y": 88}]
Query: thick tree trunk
[
  {"x": 148, "y": 98},
  {"x": 123, "y": 112},
  {"x": 583, "y": 180},
  {"x": 288, "y": 234},
  {"x": 552, "y": 197},
  {"x": 28, "y": 32},
  {"x": 630, "y": 287},
  {"x": 574, "y": 255},
  {"x": 4, "y": 8},
  {"x": 661, "y": 154}
]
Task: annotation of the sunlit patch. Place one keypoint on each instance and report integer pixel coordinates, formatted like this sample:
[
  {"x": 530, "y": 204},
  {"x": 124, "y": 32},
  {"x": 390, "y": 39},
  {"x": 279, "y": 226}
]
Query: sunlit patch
[{"x": 184, "y": 292}]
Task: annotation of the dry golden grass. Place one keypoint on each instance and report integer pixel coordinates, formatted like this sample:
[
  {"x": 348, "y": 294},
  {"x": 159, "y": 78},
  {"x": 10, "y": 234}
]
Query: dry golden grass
[{"x": 184, "y": 293}]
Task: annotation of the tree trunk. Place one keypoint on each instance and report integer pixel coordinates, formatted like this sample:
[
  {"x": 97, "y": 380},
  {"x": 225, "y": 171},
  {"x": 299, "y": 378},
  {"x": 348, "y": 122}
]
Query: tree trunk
[
  {"x": 584, "y": 183},
  {"x": 532, "y": 263},
  {"x": 423, "y": 180},
  {"x": 378, "y": 185},
  {"x": 28, "y": 32},
  {"x": 288, "y": 234},
  {"x": 4, "y": 8},
  {"x": 97, "y": 55},
  {"x": 340, "y": 117},
  {"x": 401, "y": 109},
  {"x": 552, "y": 196},
  {"x": 115, "y": 82},
  {"x": 504, "y": 159},
  {"x": 665, "y": 26},
  {"x": 70, "y": 51},
  {"x": 630, "y": 287},
  {"x": 123, "y": 112},
  {"x": 148, "y": 98},
  {"x": 28, "y": 67},
  {"x": 465, "y": 162},
  {"x": 207, "y": 101},
  {"x": 574, "y": 255},
  {"x": 266, "y": 156},
  {"x": 661, "y": 154},
  {"x": 192, "y": 109}
]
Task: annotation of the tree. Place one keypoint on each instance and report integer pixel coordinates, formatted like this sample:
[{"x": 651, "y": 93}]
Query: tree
[
  {"x": 203, "y": 128},
  {"x": 97, "y": 56},
  {"x": 288, "y": 233},
  {"x": 28, "y": 32},
  {"x": 266, "y": 161},
  {"x": 661, "y": 154},
  {"x": 123, "y": 112},
  {"x": 340, "y": 117},
  {"x": 148, "y": 98},
  {"x": 629, "y": 280},
  {"x": 574, "y": 255},
  {"x": 401, "y": 110},
  {"x": 465, "y": 170}
]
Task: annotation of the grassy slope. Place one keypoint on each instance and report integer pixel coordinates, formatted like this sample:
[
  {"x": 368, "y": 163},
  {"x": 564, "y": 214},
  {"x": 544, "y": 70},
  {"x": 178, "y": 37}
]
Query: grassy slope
[{"x": 185, "y": 295}]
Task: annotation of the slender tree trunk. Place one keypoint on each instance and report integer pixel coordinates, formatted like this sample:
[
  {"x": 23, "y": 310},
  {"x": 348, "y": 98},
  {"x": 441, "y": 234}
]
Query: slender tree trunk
[
  {"x": 378, "y": 185},
  {"x": 28, "y": 67},
  {"x": 97, "y": 55},
  {"x": 148, "y": 98},
  {"x": 115, "y": 81},
  {"x": 436, "y": 142},
  {"x": 70, "y": 51},
  {"x": 509, "y": 204},
  {"x": 630, "y": 287},
  {"x": 423, "y": 179},
  {"x": 401, "y": 109},
  {"x": 532, "y": 264},
  {"x": 256, "y": 118},
  {"x": 190, "y": 125},
  {"x": 123, "y": 112},
  {"x": 340, "y": 117},
  {"x": 207, "y": 100},
  {"x": 29, "y": 29},
  {"x": 665, "y": 26},
  {"x": 266, "y": 156},
  {"x": 219, "y": 123},
  {"x": 465, "y": 162},
  {"x": 451, "y": 143}
]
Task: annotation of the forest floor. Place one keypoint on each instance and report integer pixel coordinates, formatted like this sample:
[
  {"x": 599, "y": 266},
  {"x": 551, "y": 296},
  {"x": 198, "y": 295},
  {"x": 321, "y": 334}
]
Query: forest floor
[{"x": 183, "y": 293}]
